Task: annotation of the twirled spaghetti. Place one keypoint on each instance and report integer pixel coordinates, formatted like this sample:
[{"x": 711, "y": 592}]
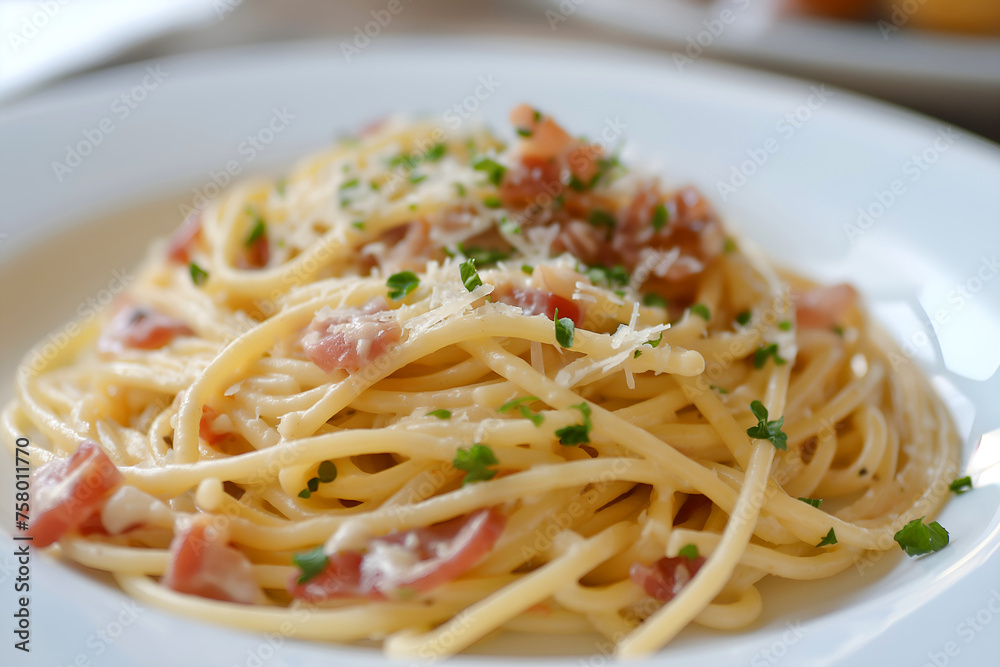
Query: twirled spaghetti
[{"x": 430, "y": 386}]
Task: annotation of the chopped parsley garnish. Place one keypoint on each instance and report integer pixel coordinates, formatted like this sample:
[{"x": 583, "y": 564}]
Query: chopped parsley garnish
[
  {"x": 401, "y": 284},
  {"x": 327, "y": 472},
  {"x": 492, "y": 201},
  {"x": 435, "y": 153},
  {"x": 519, "y": 405},
  {"x": 701, "y": 310},
  {"x": 311, "y": 563},
  {"x": 652, "y": 299},
  {"x": 917, "y": 538},
  {"x": 509, "y": 227},
  {"x": 258, "y": 231},
  {"x": 831, "y": 538},
  {"x": 440, "y": 414},
  {"x": 198, "y": 274},
  {"x": 416, "y": 178},
  {"x": 564, "y": 330},
  {"x": 785, "y": 325},
  {"x": 527, "y": 268},
  {"x": 767, "y": 430},
  {"x": 494, "y": 170},
  {"x": 718, "y": 389},
  {"x": 460, "y": 189},
  {"x": 538, "y": 114},
  {"x": 815, "y": 502},
  {"x": 474, "y": 462},
  {"x": 730, "y": 245},
  {"x": 743, "y": 318},
  {"x": 280, "y": 186},
  {"x": 654, "y": 343},
  {"x": 660, "y": 217},
  {"x": 604, "y": 166},
  {"x": 839, "y": 330},
  {"x": 523, "y": 132},
  {"x": 599, "y": 218},
  {"x": 637, "y": 354},
  {"x": 470, "y": 277},
  {"x": 483, "y": 255},
  {"x": 578, "y": 434},
  {"x": 689, "y": 551},
  {"x": 763, "y": 352},
  {"x": 358, "y": 224},
  {"x": 961, "y": 485},
  {"x": 349, "y": 184},
  {"x": 602, "y": 275}
]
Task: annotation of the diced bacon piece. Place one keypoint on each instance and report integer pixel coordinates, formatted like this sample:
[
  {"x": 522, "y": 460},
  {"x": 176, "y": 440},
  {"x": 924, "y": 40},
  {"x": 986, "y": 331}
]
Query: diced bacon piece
[
  {"x": 690, "y": 228},
  {"x": 67, "y": 492},
  {"x": 541, "y": 136},
  {"x": 209, "y": 427},
  {"x": 537, "y": 302},
  {"x": 202, "y": 563},
  {"x": 824, "y": 307},
  {"x": 140, "y": 327},
  {"x": 415, "y": 560},
  {"x": 666, "y": 577},
  {"x": 534, "y": 183},
  {"x": 350, "y": 339},
  {"x": 257, "y": 254},
  {"x": 182, "y": 242}
]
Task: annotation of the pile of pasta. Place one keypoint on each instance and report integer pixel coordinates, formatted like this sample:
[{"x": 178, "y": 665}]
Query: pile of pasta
[{"x": 433, "y": 385}]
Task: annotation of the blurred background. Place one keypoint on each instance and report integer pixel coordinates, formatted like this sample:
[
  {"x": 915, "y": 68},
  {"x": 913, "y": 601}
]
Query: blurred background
[{"x": 940, "y": 57}]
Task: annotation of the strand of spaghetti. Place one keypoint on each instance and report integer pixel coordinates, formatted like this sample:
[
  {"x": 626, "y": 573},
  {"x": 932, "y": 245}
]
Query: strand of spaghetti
[
  {"x": 482, "y": 617},
  {"x": 347, "y": 624}
]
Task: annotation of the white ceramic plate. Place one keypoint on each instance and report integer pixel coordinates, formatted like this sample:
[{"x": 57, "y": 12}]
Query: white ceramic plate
[{"x": 811, "y": 158}]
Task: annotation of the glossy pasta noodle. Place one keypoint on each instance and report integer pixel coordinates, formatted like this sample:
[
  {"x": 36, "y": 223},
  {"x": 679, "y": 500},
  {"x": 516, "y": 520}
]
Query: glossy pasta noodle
[{"x": 430, "y": 386}]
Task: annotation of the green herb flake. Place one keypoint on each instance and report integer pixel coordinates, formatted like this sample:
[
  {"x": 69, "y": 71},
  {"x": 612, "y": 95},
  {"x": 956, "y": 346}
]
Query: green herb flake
[
  {"x": 459, "y": 189},
  {"x": 435, "y": 153},
  {"x": 689, "y": 551},
  {"x": 483, "y": 256},
  {"x": 785, "y": 325},
  {"x": 730, "y": 245},
  {"x": 311, "y": 563},
  {"x": 654, "y": 343},
  {"x": 652, "y": 299},
  {"x": 359, "y": 225},
  {"x": 763, "y": 352},
  {"x": 830, "y": 539},
  {"x": 521, "y": 132},
  {"x": 327, "y": 472},
  {"x": 527, "y": 269},
  {"x": 440, "y": 414},
  {"x": 526, "y": 412},
  {"x": 815, "y": 502},
  {"x": 577, "y": 434},
  {"x": 470, "y": 277},
  {"x": 718, "y": 389},
  {"x": 637, "y": 354},
  {"x": 599, "y": 218},
  {"x": 353, "y": 183},
  {"x": 402, "y": 284},
  {"x": 474, "y": 462},
  {"x": 961, "y": 485},
  {"x": 198, "y": 274},
  {"x": 917, "y": 538},
  {"x": 492, "y": 202},
  {"x": 701, "y": 310},
  {"x": 660, "y": 217},
  {"x": 280, "y": 186},
  {"x": 313, "y": 484},
  {"x": 743, "y": 318},
  {"x": 417, "y": 178},
  {"x": 839, "y": 330},
  {"x": 565, "y": 329},
  {"x": 767, "y": 430},
  {"x": 494, "y": 171}
]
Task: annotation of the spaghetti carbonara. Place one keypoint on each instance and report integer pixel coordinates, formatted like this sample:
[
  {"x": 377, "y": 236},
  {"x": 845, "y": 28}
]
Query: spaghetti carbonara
[{"x": 431, "y": 386}]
